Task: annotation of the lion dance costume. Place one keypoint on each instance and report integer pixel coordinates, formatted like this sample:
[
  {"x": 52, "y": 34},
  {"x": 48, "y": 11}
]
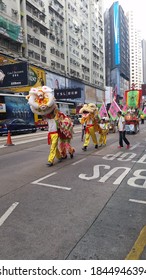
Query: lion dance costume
[
  {"x": 42, "y": 102},
  {"x": 89, "y": 113}
]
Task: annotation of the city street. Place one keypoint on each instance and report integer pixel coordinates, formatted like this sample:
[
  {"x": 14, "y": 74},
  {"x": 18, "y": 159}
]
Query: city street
[{"x": 90, "y": 207}]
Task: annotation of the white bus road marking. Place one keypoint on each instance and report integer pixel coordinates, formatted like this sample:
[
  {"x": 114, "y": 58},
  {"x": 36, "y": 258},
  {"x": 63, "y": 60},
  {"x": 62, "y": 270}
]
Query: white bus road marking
[
  {"x": 37, "y": 182},
  {"x": 137, "y": 201},
  {"x": 8, "y": 212}
]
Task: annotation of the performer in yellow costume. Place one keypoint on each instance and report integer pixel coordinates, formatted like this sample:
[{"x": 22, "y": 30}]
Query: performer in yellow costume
[
  {"x": 103, "y": 133},
  {"x": 89, "y": 112}
]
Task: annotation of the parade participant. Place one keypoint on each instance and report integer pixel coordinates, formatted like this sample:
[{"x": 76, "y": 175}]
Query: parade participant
[
  {"x": 42, "y": 102},
  {"x": 122, "y": 132},
  {"x": 142, "y": 118},
  {"x": 83, "y": 131},
  {"x": 53, "y": 138},
  {"x": 89, "y": 112},
  {"x": 65, "y": 129},
  {"x": 103, "y": 133}
]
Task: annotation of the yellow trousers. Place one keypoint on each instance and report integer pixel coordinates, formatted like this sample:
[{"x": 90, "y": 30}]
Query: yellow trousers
[
  {"x": 54, "y": 151},
  {"x": 90, "y": 133},
  {"x": 102, "y": 139}
]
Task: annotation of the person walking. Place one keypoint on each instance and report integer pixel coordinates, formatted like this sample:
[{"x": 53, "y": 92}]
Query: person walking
[{"x": 122, "y": 132}]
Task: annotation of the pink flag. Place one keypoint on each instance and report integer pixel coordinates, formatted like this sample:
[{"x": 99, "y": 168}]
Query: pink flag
[
  {"x": 113, "y": 110},
  {"x": 103, "y": 111},
  {"x": 124, "y": 109}
]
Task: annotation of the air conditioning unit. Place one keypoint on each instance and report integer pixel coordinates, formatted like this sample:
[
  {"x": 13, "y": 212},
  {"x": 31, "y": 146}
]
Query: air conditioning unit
[{"x": 35, "y": 29}]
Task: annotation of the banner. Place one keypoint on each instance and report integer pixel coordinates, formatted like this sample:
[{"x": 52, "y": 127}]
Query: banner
[
  {"x": 113, "y": 110},
  {"x": 103, "y": 111},
  {"x": 133, "y": 98}
]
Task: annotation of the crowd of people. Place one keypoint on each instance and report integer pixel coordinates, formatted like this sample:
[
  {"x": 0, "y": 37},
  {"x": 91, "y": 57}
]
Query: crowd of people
[
  {"x": 61, "y": 145},
  {"x": 60, "y": 126}
]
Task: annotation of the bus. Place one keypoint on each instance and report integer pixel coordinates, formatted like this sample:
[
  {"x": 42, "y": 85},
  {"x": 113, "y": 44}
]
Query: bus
[{"x": 15, "y": 106}]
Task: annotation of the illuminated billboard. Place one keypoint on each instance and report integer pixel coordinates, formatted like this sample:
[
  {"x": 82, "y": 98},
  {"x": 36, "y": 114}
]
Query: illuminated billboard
[
  {"x": 12, "y": 75},
  {"x": 116, "y": 34}
]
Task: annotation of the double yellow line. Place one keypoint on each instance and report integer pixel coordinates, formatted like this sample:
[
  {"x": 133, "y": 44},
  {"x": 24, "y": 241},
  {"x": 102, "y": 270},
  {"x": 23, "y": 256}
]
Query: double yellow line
[{"x": 138, "y": 246}]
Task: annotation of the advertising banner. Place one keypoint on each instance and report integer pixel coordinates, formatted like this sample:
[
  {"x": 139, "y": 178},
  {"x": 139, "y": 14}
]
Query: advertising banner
[
  {"x": 18, "y": 107},
  {"x": 55, "y": 81},
  {"x": 36, "y": 78},
  {"x": 64, "y": 88},
  {"x": 116, "y": 33},
  {"x": 69, "y": 93},
  {"x": 12, "y": 75}
]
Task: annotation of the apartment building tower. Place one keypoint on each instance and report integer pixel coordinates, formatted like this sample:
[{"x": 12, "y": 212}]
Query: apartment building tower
[
  {"x": 61, "y": 37},
  {"x": 135, "y": 46}
]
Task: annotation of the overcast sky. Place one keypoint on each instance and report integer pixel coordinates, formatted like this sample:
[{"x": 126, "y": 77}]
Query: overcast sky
[{"x": 138, "y": 6}]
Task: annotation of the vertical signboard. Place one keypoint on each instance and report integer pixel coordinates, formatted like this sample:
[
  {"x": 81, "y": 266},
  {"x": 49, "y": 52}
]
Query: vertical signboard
[{"x": 116, "y": 33}]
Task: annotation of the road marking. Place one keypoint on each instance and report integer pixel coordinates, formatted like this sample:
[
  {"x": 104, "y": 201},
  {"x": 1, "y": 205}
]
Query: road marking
[
  {"x": 135, "y": 146},
  {"x": 26, "y": 141},
  {"x": 2, "y": 146},
  {"x": 137, "y": 201},
  {"x": 8, "y": 212},
  {"x": 138, "y": 246},
  {"x": 37, "y": 182},
  {"x": 78, "y": 161}
]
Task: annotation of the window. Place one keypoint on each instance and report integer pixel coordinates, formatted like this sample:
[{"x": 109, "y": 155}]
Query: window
[{"x": 43, "y": 58}]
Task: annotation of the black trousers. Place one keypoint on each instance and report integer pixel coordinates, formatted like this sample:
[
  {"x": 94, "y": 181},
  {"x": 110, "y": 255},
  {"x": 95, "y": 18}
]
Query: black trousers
[{"x": 122, "y": 138}]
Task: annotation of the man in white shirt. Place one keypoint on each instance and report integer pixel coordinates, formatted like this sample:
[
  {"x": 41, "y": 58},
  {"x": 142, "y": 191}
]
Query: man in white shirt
[{"x": 122, "y": 132}]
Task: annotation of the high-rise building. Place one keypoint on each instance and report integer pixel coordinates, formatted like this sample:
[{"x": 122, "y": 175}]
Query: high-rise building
[
  {"x": 64, "y": 37},
  {"x": 116, "y": 50},
  {"x": 144, "y": 60},
  {"x": 135, "y": 46}
]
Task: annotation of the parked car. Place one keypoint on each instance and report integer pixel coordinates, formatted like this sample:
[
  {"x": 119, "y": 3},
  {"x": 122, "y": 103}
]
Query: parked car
[{"x": 16, "y": 126}]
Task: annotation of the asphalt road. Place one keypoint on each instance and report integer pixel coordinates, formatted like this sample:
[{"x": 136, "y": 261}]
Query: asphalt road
[{"x": 89, "y": 207}]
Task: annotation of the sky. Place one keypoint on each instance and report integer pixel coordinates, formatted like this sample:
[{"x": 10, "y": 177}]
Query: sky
[{"x": 138, "y": 7}]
